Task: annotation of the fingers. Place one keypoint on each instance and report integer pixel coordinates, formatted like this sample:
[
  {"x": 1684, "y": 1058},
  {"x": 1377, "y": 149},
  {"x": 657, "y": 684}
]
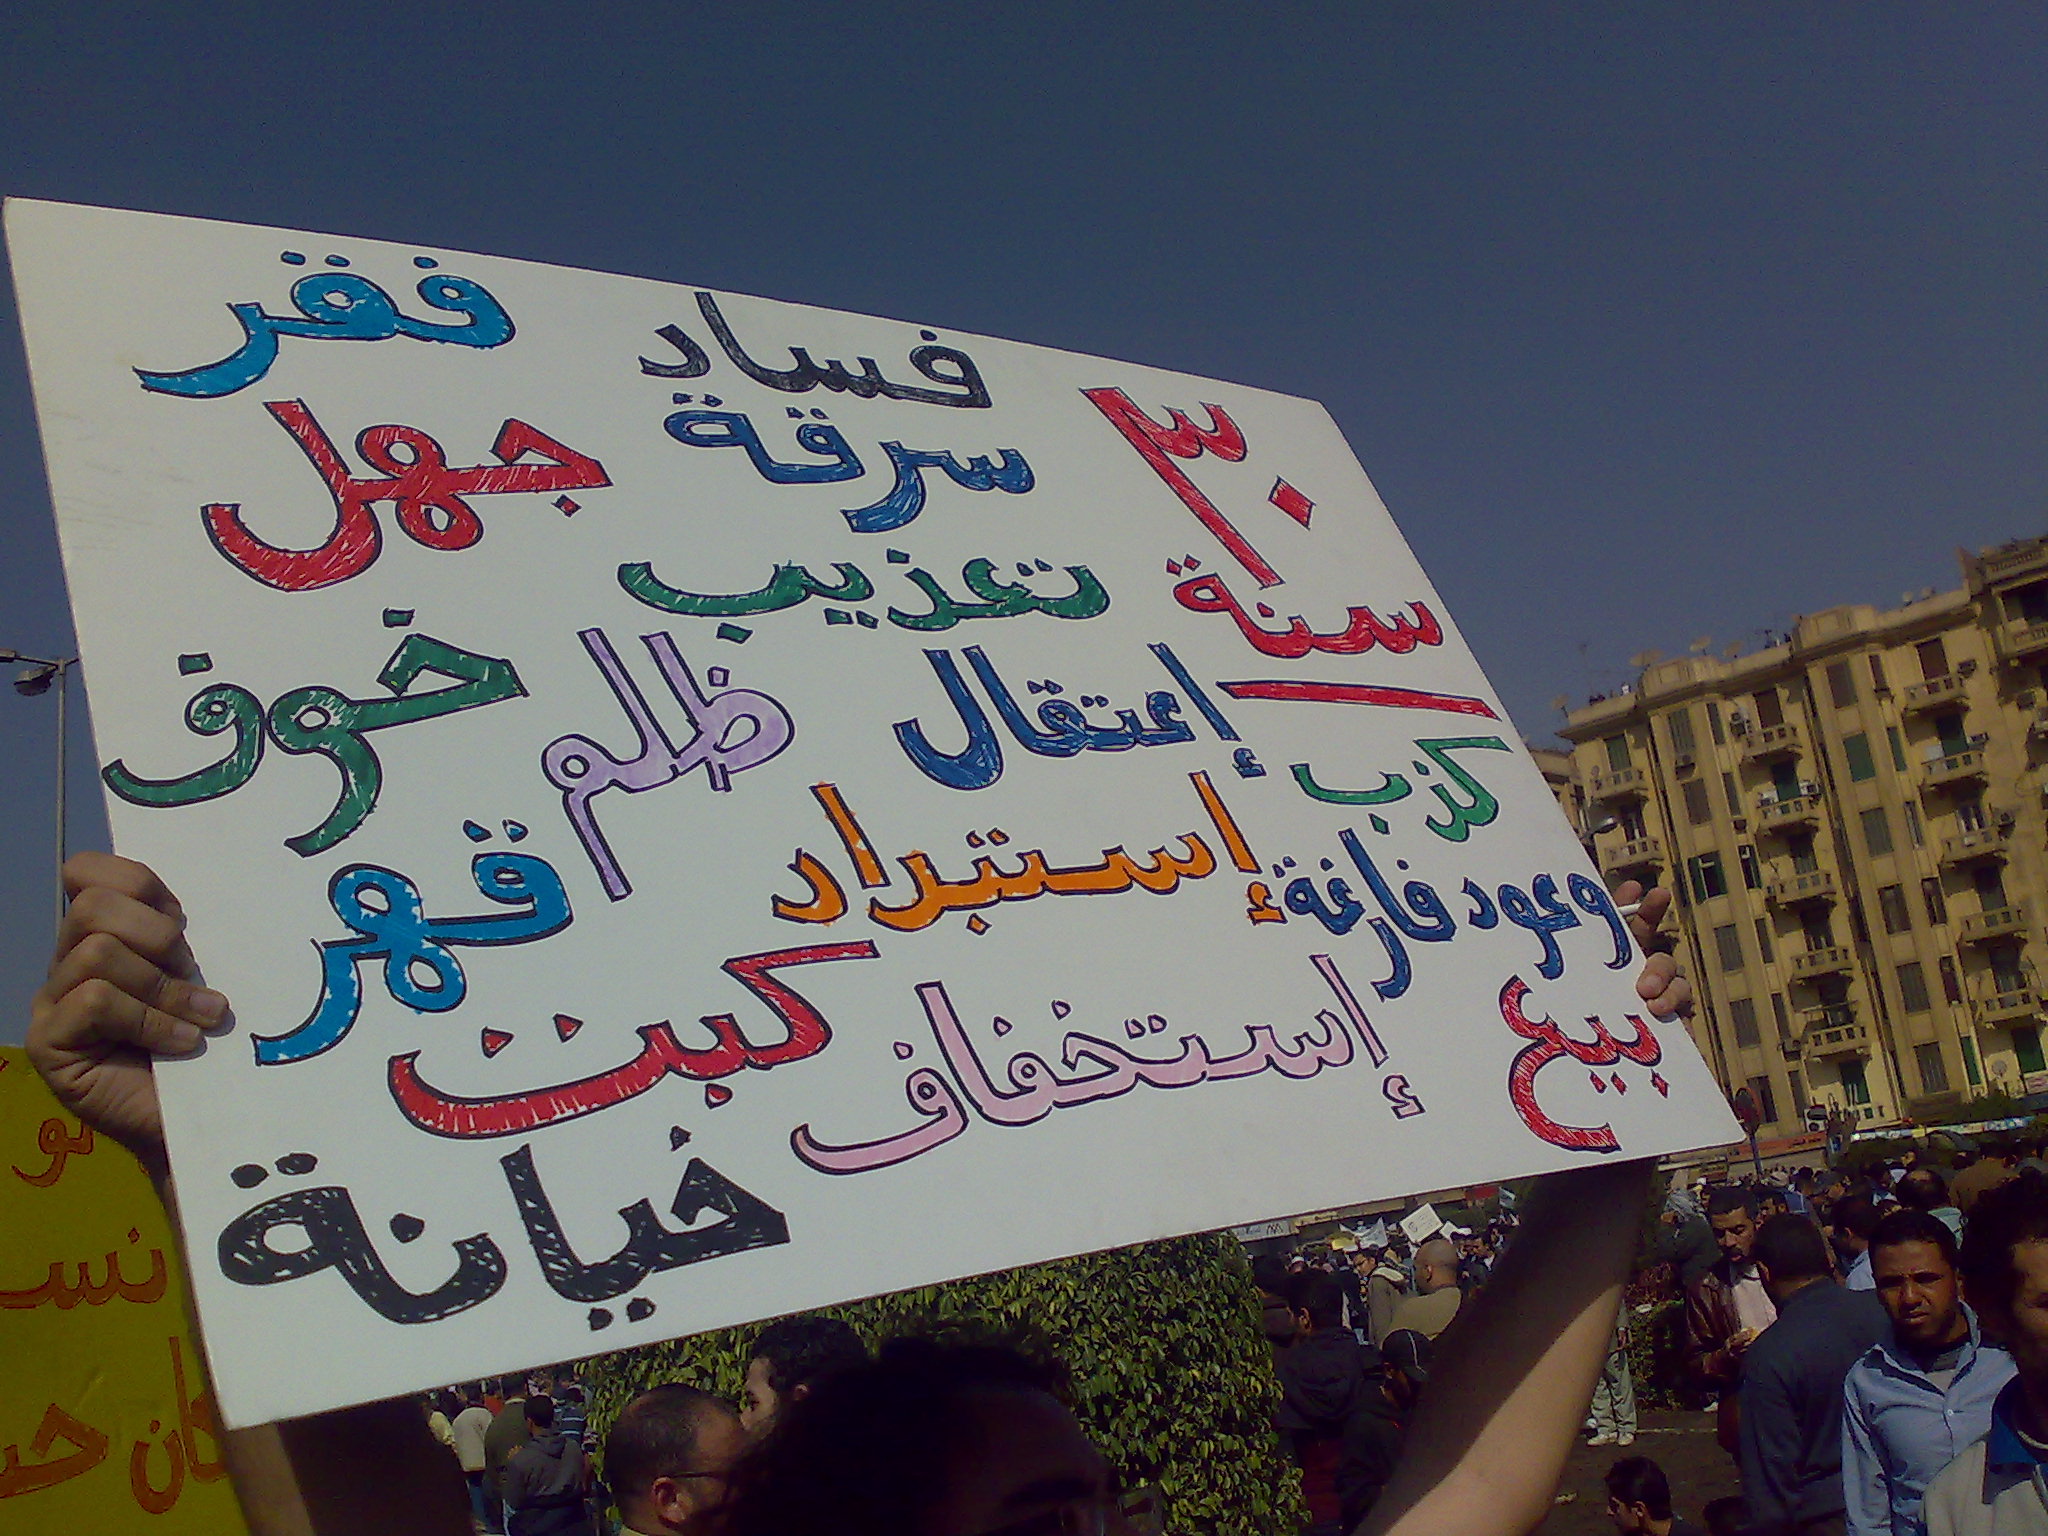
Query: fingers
[
  {"x": 100, "y": 957},
  {"x": 97, "y": 1013},
  {"x": 124, "y": 877},
  {"x": 127, "y": 915}
]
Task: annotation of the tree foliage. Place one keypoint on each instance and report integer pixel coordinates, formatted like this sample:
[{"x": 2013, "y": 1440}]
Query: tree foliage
[{"x": 1172, "y": 1374}]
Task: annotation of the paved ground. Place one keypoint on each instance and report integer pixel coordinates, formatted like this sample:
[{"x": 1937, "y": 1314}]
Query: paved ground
[{"x": 1681, "y": 1443}]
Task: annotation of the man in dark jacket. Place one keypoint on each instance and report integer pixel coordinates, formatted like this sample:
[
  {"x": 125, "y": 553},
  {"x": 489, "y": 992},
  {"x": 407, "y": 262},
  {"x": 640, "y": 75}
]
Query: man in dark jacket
[
  {"x": 1792, "y": 1383},
  {"x": 1325, "y": 1378},
  {"x": 1371, "y": 1446},
  {"x": 544, "y": 1479},
  {"x": 1726, "y": 1308}
]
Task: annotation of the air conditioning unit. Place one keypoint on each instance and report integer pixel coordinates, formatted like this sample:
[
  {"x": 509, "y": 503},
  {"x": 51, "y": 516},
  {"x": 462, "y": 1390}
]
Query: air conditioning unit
[
  {"x": 1966, "y": 668},
  {"x": 1683, "y": 762},
  {"x": 2024, "y": 700},
  {"x": 1742, "y": 823}
]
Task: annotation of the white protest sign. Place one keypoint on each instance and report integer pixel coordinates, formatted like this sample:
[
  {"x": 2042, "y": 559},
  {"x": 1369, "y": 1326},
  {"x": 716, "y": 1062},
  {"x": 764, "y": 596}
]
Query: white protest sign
[
  {"x": 1374, "y": 1236},
  {"x": 1422, "y": 1223},
  {"x": 706, "y": 807}
]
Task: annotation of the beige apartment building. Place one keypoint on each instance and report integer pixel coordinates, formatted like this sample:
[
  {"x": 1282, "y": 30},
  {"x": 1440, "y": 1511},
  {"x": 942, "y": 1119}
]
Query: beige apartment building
[{"x": 1856, "y": 823}]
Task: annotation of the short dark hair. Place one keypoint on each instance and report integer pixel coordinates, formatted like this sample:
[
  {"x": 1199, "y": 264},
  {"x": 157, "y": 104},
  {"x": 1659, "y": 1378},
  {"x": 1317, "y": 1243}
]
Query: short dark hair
[
  {"x": 1321, "y": 1296},
  {"x": 802, "y": 1351},
  {"x": 1857, "y": 1214},
  {"x": 1723, "y": 1199},
  {"x": 1922, "y": 1190},
  {"x": 540, "y": 1410},
  {"x": 1914, "y": 1227},
  {"x": 657, "y": 1435},
  {"x": 864, "y": 1453},
  {"x": 2000, "y": 1220},
  {"x": 1791, "y": 1248},
  {"x": 1639, "y": 1480},
  {"x": 1725, "y": 1516}
]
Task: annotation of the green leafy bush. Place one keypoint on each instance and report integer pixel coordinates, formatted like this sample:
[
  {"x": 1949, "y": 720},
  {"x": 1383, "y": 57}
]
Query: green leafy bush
[{"x": 1173, "y": 1377}]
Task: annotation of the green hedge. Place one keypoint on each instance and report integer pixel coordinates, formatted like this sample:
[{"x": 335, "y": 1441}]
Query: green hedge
[{"x": 1173, "y": 1376}]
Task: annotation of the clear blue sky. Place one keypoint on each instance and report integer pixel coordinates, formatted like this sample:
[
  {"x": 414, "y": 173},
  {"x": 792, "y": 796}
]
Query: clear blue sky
[{"x": 1650, "y": 321}]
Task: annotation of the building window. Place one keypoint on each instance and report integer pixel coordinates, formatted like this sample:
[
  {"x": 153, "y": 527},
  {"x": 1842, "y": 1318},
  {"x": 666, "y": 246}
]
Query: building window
[
  {"x": 1891, "y": 901},
  {"x": 2026, "y": 1044},
  {"x": 1898, "y": 745},
  {"x": 1877, "y": 832},
  {"x": 1763, "y": 938},
  {"x": 1877, "y": 681},
  {"x": 1697, "y": 811},
  {"x": 1728, "y": 945},
  {"x": 1856, "y": 750},
  {"x": 1728, "y": 788},
  {"x": 1617, "y": 753},
  {"x": 1743, "y": 1012},
  {"x": 1951, "y": 983},
  {"x": 1841, "y": 685},
  {"x": 1714, "y": 724},
  {"x": 1779, "y": 1013},
  {"x": 1707, "y": 877},
  {"x": 1913, "y": 988},
  {"x": 1933, "y": 900},
  {"x": 1855, "y": 1086},
  {"x": 1769, "y": 710},
  {"x": 1752, "y": 872},
  {"x": 1679, "y": 724},
  {"x": 1766, "y": 1102},
  {"x": 1631, "y": 820},
  {"x": 1913, "y": 833},
  {"x": 1933, "y": 659},
  {"x": 1971, "y": 1070},
  {"x": 1933, "y": 1070}
]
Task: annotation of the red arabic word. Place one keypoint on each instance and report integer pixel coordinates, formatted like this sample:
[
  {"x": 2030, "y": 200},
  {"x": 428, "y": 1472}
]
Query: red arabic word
[
  {"x": 417, "y": 479},
  {"x": 1548, "y": 1043}
]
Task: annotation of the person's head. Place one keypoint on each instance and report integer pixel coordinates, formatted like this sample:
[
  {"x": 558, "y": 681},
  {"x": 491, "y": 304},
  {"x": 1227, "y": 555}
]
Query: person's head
[
  {"x": 511, "y": 1388},
  {"x": 1318, "y": 1303},
  {"x": 669, "y": 1457},
  {"x": 1725, "y": 1516},
  {"x": 448, "y": 1402},
  {"x": 1790, "y": 1254},
  {"x": 2004, "y": 1264},
  {"x": 540, "y": 1414},
  {"x": 1770, "y": 1202},
  {"x": 1637, "y": 1495},
  {"x": 1404, "y": 1366},
  {"x": 937, "y": 1436},
  {"x": 790, "y": 1357},
  {"x": 1436, "y": 1266},
  {"x": 1733, "y": 1218},
  {"x": 1363, "y": 1262},
  {"x": 1854, "y": 1218},
  {"x": 1913, "y": 1262},
  {"x": 1922, "y": 1190}
]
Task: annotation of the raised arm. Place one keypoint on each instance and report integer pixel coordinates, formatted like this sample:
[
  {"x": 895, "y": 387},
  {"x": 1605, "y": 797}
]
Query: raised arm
[
  {"x": 123, "y": 989},
  {"x": 1515, "y": 1370}
]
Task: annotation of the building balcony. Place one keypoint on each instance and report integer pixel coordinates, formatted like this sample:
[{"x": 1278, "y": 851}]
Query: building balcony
[
  {"x": 1953, "y": 769},
  {"x": 1843, "y": 1039},
  {"x": 1984, "y": 842},
  {"x": 1636, "y": 853},
  {"x": 1619, "y": 784},
  {"x": 1996, "y": 1009},
  {"x": 1773, "y": 741},
  {"x": 1946, "y": 689},
  {"x": 1789, "y": 813},
  {"x": 2020, "y": 639},
  {"x": 2001, "y": 922},
  {"x": 1814, "y": 963},
  {"x": 1810, "y": 885}
]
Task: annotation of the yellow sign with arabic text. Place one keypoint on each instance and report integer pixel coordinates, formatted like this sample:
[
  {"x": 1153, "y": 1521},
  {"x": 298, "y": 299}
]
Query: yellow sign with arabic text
[{"x": 107, "y": 1418}]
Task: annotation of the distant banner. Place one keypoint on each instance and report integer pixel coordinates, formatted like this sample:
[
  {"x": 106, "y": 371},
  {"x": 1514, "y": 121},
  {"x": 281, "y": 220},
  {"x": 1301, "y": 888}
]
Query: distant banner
[
  {"x": 107, "y": 1418},
  {"x": 707, "y": 807}
]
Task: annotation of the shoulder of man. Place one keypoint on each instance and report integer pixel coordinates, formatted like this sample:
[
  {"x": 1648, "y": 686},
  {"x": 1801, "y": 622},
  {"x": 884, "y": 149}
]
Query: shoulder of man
[{"x": 1955, "y": 1503}]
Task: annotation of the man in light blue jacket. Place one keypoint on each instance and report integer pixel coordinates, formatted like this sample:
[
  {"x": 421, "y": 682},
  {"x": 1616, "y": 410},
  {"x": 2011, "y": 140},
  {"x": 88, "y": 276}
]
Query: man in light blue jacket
[{"x": 1920, "y": 1398}]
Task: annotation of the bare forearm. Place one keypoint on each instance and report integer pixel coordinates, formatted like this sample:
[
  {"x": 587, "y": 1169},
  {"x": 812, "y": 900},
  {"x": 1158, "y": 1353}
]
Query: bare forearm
[{"x": 1514, "y": 1372}]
